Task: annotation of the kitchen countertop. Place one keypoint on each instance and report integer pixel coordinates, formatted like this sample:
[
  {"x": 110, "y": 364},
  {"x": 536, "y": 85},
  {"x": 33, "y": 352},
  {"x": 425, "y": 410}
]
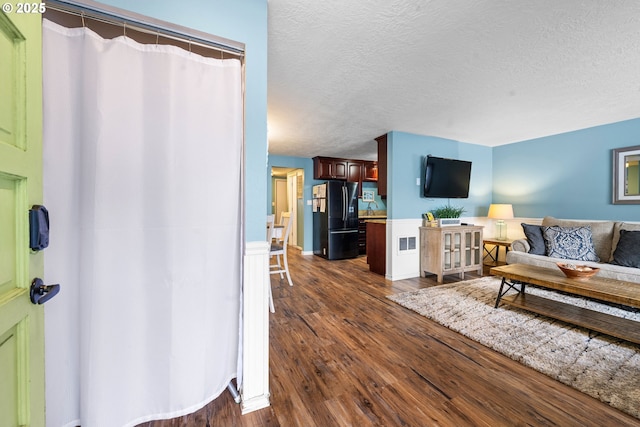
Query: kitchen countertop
[
  {"x": 376, "y": 221},
  {"x": 377, "y": 214}
]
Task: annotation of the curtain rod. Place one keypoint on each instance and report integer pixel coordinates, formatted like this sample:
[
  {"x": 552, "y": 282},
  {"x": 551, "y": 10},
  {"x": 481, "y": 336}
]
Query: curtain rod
[{"x": 134, "y": 21}]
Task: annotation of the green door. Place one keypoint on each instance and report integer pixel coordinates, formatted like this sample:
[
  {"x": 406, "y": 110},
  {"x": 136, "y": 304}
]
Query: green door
[{"x": 21, "y": 322}]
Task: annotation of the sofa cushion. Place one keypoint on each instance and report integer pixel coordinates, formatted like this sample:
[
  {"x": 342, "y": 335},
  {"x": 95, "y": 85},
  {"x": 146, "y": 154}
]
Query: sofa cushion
[
  {"x": 627, "y": 251},
  {"x": 535, "y": 239},
  {"x": 616, "y": 233},
  {"x": 569, "y": 243},
  {"x": 601, "y": 233}
]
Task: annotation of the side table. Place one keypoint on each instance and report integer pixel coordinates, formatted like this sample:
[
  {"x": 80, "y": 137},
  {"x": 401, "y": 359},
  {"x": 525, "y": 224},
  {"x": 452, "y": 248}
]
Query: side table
[{"x": 493, "y": 253}]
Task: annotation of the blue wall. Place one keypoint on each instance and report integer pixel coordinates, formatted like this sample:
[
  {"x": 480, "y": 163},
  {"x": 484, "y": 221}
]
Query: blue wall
[
  {"x": 405, "y": 153},
  {"x": 245, "y": 22},
  {"x": 567, "y": 175}
]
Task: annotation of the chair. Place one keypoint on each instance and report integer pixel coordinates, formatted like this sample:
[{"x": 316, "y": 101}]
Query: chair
[
  {"x": 270, "y": 227},
  {"x": 285, "y": 217},
  {"x": 279, "y": 227},
  {"x": 270, "y": 235},
  {"x": 280, "y": 250}
]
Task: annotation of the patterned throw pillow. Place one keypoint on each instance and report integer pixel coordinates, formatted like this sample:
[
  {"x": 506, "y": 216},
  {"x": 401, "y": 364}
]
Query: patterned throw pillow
[{"x": 569, "y": 243}]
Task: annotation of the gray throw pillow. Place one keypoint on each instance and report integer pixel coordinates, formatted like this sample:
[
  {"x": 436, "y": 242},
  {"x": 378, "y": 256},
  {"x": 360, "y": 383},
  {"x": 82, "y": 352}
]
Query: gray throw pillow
[
  {"x": 535, "y": 239},
  {"x": 569, "y": 243},
  {"x": 627, "y": 252}
]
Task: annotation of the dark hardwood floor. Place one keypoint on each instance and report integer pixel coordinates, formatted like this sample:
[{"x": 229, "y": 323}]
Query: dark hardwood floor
[{"x": 341, "y": 354}]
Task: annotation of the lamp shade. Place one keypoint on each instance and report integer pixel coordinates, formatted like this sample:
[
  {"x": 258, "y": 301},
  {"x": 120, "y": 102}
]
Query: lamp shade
[{"x": 500, "y": 211}]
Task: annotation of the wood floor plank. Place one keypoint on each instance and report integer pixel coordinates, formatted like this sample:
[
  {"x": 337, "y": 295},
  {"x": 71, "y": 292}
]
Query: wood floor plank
[{"x": 342, "y": 354}]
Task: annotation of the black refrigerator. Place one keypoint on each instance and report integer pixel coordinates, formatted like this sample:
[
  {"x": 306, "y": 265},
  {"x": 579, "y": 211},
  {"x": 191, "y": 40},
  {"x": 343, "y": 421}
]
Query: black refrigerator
[{"x": 335, "y": 220}]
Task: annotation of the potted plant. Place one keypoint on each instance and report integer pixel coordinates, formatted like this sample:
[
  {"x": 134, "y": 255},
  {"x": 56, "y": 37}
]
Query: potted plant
[{"x": 448, "y": 215}]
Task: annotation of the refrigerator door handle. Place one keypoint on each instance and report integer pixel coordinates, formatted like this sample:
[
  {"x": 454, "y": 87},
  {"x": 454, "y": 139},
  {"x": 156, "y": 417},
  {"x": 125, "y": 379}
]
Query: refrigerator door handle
[
  {"x": 344, "y": 203},
  {"x": 344, "y": 231}
]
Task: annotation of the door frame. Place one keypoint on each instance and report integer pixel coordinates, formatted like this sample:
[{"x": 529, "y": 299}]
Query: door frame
[{"x": 295, "y": 192}]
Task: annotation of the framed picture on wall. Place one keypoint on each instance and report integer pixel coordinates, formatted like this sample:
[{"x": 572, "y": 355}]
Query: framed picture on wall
[
  {"x": 626, "y": 175},
  {"x": 367, "y": 196}
]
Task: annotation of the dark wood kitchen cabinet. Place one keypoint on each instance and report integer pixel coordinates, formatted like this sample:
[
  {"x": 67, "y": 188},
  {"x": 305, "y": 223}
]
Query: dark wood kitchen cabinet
[
  {"x": 330, "y": 168},
  {"x": 370, "y": 171},
  {"x": 362, "y": 237},
  {"x": 345, "y": 170},
  {"x": 382, "y": 165},
  {"x": 354, "y": 171},
  {"x": 334, "y": 168},
  {"x": 377, "y": 246}
]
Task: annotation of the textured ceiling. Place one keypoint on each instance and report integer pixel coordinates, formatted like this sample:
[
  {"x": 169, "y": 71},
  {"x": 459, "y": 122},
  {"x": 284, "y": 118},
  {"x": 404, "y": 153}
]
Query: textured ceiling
[{"x": 491, "y": 72}]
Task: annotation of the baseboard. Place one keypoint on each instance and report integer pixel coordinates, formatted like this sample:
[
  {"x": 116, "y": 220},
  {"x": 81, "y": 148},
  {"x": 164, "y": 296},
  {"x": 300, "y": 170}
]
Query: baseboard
[
  {"x": 255, "y": 403},
  {"x": 402, "y": 276}
]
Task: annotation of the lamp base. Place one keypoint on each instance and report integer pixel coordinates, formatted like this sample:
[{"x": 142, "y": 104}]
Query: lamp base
[{"x": 501, "y": 230}]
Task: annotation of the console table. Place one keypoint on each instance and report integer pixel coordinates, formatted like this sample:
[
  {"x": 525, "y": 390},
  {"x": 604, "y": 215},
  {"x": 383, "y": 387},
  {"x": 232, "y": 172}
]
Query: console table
[{"x": 450, "y": 250}]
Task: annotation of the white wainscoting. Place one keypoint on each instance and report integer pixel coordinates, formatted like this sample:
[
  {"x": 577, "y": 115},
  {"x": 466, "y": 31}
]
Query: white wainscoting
[
  {"x": 514, "y": 226},
  {"x": 255, "y": 328},
  {"x": 402, "y": 264}
]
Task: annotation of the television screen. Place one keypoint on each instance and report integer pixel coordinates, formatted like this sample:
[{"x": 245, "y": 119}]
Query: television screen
[{"x": 446, "y": 178}]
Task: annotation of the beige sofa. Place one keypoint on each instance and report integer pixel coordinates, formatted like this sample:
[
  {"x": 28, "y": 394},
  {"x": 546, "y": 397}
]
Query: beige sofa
[{"x": 605, "y": 236}]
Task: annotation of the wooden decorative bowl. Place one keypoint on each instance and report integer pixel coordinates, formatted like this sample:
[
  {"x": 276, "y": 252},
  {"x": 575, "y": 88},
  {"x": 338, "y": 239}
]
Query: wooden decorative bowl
[{"x": 578, "y": 271}]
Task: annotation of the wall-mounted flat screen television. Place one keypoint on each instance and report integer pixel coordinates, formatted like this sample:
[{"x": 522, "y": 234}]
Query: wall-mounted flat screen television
[{"x": 446, "y": 178}]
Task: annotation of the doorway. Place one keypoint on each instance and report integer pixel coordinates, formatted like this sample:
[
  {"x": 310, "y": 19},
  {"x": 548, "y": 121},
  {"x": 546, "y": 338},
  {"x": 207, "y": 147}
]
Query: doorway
[{"x": 287, "y": 196}]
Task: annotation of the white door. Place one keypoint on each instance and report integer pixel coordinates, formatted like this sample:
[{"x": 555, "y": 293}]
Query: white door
[
  {"x": 281, "y": 204},
  {"x": 21, "y": 322}
]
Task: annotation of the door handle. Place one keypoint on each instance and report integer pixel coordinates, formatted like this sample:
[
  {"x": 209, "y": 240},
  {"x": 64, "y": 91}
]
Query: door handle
[
  {"x": 344, "y": 203},
  {"x": 41, "y": 293},
  {"x": 344, "y": 232}
]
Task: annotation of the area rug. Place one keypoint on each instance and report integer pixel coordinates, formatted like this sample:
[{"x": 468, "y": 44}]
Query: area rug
[{"x": 596, "y": 364}]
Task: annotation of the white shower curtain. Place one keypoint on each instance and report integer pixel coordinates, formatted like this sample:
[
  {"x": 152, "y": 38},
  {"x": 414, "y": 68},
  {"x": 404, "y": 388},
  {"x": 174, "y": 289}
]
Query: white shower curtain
[{"x": 142, "y": 165}]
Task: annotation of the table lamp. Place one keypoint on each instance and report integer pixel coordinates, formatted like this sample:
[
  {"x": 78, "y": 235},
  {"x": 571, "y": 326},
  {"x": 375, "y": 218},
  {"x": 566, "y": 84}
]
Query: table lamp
[{"x": 500, "y": 212}]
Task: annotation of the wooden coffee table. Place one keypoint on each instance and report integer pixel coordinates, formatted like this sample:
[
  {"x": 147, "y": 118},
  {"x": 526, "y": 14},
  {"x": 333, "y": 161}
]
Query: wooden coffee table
[{"x": 517, "y": 276}]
